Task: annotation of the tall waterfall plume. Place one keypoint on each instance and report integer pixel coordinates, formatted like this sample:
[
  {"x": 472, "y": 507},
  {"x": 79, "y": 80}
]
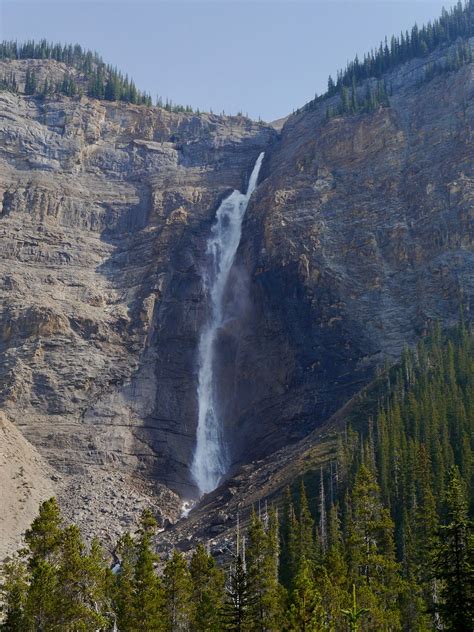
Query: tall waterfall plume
[{"x": 211, "y": 459}]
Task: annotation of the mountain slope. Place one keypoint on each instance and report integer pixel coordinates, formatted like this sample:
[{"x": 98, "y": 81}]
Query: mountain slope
[
  {"x": 27, "y": 480},
  {"x": 358, "y": 236}
]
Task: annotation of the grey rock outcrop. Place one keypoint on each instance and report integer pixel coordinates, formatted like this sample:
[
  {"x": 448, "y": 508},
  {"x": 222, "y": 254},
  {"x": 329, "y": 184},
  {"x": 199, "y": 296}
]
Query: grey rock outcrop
[{"x": 104, "y": 214}]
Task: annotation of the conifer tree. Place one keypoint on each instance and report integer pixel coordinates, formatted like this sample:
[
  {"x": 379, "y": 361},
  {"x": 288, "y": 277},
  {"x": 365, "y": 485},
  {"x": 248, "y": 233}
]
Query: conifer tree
[
  {"x": 30, "y": 82},
  {"x": 124, "y": 585},
  {"x": 100, "y": 587},
  {"x": 178, "y": 589},
  {"x": 149, "y": 613},
  {"x": 44, "y": 536},
  {"x": 262, "y": 569},
  {"x": 75, "y": 604},
  {"x": 43, "y": 540},
  {"x": 354, "y": 102},
  {"x": 331, "y": 578},
  {"x": 236, "y": 612},
  {"x": 306, "y": 613},
  {"x": 425, "y": 527},
  {"x": 207, "y": 592},
  {"x": 323, "y": 535},
  {"x": 371, "y": 552},
  {"x": 289, "y": 530},
  {"x": 453, "y": 563},
  {"x": 345, "y": 102},
  {"x": 305, "y": 533},
  {"x": 13, "y": 594}
]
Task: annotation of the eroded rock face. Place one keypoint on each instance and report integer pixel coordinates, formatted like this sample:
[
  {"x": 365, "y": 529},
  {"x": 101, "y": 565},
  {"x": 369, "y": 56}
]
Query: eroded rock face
[
  {"x": 26, "y": 481},
  {"x": 358, "y": 236},
  {"x": 104, "y": 215}
]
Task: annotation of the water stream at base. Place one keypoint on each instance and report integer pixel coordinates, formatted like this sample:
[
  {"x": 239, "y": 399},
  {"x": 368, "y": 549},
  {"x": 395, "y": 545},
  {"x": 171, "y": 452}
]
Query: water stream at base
[{"x": 211, "y": 459}]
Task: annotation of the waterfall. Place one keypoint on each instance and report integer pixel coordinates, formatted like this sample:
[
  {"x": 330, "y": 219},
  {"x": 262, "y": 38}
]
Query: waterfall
[{"x": 211, "y": 460}]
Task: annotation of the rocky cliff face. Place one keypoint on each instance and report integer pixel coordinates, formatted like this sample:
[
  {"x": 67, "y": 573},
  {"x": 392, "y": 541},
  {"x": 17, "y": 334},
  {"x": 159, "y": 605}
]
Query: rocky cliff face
[
  {"x": 104, "y": 215},
  {"x": 358, "y": 235}
]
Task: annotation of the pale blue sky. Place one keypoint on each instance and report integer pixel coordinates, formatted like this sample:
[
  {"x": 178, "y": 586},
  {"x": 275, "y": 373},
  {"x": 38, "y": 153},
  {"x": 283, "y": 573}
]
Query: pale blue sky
[{"x": 264, "y": 57}]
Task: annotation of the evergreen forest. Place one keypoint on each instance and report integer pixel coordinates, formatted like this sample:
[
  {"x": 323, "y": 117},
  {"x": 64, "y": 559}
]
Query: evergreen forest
[
  {"x": 452, "y": 29},
  {"x": 103, "y": 81},
  {"x": 381, "y": 539}
]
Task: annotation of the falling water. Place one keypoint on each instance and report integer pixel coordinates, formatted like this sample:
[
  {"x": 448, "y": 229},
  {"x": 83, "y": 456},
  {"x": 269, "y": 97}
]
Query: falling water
[{"x": 211, "y": 457}]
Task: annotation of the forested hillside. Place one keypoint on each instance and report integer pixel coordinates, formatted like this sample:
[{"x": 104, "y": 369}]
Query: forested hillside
[
  {"x": 88, "y": 74},
  {"x": 455, "y": 26},
  {"x": 382, "y": 540},
  {"x": 104, "y": 82},
  {"x": 391, "y": 514}
]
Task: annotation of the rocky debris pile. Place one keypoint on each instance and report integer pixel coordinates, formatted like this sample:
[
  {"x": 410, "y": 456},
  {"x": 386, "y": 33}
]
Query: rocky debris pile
[{"x": 106, "y": 503}]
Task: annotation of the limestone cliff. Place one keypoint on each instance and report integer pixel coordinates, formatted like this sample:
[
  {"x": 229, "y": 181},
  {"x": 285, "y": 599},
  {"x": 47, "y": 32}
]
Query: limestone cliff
[
  {"x": 104, "y": 214},
  {"x": 358, "y": 235}
]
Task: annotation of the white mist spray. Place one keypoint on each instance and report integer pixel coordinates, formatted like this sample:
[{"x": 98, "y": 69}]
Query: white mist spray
[{"x": 211, "y": 460}]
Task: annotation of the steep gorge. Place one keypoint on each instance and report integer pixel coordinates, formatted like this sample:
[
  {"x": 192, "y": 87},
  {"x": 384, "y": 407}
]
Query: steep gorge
[{"x": 358, "y": 235}]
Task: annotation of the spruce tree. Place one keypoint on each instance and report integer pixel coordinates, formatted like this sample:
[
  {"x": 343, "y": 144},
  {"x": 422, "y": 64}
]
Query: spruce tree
[
  {"x": 425, "y": 527},
  {"x": 345, "y": 101},
  {"x": 354, "y": 102},
  {"x": 148, "y": 605},
  {"x": 371, "y": 552},
  {"x": 207, "y": 592},
  {"x": 43, "y": 540},
  {"x": 124, "y": 584},
  {"x": 76, "y": 600},
  {"x": 44, "y": 536},
  {"x": 306, "y": 613},
  {"x": 289, "y": 548},
  {"x": 30, "y": 82},
  {"x": 453, "y": 563},
  {"x": 236, "y": 612},
  {"x": 331, "y": 577},
  {"x": 178, "y": 588},
  {"x": 13, "y": 594},
  {"x": 305, "y": 530},
  {"x": 262, "y": 568},
  {"x": 100, "y": 587}
]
